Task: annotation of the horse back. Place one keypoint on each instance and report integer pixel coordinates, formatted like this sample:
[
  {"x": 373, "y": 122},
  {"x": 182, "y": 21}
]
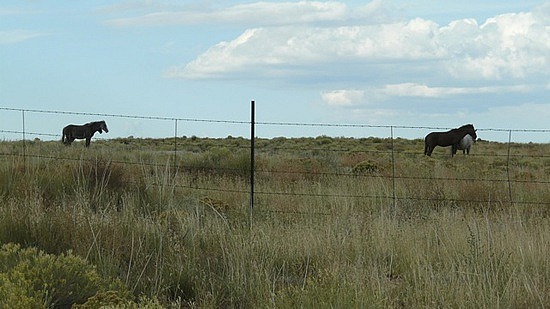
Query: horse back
[
  {"x": 433, "y": 138},
  {"x": 75, "y": 131},
  {"x": 67, "y": 129}
]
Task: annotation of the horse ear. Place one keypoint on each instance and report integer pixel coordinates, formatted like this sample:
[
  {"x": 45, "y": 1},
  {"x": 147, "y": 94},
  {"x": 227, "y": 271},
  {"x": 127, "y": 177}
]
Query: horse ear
[{"x": 475, "y": 130}]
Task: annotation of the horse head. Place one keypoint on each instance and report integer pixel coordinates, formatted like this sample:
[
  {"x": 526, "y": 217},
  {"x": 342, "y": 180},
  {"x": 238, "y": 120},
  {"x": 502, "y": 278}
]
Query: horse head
[
  {"x": 103, "y": 126},
  {"x": 469, "y": 128}
]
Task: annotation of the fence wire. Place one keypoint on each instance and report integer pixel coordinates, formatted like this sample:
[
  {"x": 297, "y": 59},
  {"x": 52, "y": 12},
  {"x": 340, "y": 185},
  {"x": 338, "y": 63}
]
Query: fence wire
[{"x": 269, "y": 148}]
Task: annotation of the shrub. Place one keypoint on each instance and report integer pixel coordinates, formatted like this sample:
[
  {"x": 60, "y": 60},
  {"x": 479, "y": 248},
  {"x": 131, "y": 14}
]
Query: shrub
[
  {"x": 367, "y": 167},
  {"x": 108, "y": 298},
  {"x": 31, "y": 278},
  {"x": 220, "y": 161}
]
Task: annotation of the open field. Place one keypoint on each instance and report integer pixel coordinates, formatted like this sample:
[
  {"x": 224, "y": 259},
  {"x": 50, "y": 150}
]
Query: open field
[{"x": 337, "y": 222}]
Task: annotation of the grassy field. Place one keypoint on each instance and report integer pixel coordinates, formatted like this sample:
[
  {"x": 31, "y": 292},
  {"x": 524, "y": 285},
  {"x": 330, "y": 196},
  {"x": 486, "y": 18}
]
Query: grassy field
[{"x": 337, "y": 222}]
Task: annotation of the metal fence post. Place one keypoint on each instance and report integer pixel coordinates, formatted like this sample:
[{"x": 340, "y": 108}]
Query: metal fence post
[
  {"x": 508, "y": 167},
  {"x": 175, "y": 144},
  {"x": 393, "y": 170},
  {"x": 252, "y": 137},
  {"x": 24, "y": 143}
]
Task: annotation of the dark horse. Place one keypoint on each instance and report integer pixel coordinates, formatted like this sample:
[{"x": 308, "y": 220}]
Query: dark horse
[
  {"x": 449, "y": 138},
  {"x": 72, "y": 132}
]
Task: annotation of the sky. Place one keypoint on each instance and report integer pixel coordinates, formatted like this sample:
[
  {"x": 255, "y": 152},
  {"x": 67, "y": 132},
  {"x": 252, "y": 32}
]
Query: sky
[{"x": 379, "y": 68}]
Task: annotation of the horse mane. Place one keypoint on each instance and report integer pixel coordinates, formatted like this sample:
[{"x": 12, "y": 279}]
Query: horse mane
[
  {"x": 94, "y": 123},
  {"x": 467, "y": 126}
]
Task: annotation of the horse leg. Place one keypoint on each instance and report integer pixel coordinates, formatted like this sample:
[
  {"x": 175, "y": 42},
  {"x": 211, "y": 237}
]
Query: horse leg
[
  {"x": 67, "y": 140},
  {"x": 88, "y": 139},
  {"x": 454, "y": 148}
]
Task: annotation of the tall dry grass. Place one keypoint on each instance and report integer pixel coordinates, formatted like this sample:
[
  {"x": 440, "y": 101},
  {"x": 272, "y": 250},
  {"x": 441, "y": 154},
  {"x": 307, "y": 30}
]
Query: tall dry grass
[{"x": 326, "y": 230}]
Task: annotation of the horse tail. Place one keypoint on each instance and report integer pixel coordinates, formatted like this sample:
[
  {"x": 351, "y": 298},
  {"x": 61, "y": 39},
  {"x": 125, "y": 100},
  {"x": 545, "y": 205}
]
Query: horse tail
[
  {"x": 64, "y": 137},
  {"x": 427, "y": 147}
]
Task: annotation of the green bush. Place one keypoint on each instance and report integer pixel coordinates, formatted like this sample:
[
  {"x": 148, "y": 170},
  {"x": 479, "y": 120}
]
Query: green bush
[{"x": 30, "y": 278}]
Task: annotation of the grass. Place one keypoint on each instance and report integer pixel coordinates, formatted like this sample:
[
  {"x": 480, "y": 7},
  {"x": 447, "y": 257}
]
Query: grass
[{"x": 326, "y": 232}]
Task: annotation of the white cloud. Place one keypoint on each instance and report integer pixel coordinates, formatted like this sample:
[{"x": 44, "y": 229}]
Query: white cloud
[
  {"x": 17, "y": 36},
  {"x": 265, "y": 50},
  {"x": 343, "y": 97},
  {"x": 256, "y": 13},
  {"x": 509, "y": 45},
  {"x": 360, "y": 98},
  {"x": 227, "y": 57},
  {"x": 506, "y": 46},
  {"x": 422, "y": 90}
]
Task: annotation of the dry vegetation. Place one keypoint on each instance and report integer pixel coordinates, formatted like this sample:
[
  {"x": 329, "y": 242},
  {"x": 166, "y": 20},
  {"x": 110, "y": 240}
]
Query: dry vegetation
[{"x": 159, "y": 229}]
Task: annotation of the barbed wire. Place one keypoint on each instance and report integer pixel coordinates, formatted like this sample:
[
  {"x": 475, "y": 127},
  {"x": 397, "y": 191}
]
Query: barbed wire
[
  {"x": 185, "y": 167},
  {"x": 309, "y": 150},
  {"x": 309, "y": 194},
  {"x": 266, "y": 123},
  {"x": 122, "y": 116},
  {"x": 362, "y": 196},
  {"x": 269, "y": 148},
  {"x": 305, "y": 124}
]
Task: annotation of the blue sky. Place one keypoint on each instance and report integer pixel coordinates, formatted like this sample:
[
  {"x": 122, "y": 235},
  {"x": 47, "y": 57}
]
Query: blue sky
[{"x": 422, "y": 63}]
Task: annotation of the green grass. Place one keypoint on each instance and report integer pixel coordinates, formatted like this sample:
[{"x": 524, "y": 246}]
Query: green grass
[{"x": 174, "y": 230}]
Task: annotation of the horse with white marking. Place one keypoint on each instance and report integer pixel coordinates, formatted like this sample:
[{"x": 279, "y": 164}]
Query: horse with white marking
[
  {"x": 449, "y": 138},
  {"x": 465, "y": 144}
]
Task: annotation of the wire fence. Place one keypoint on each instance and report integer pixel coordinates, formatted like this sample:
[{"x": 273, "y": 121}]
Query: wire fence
[{"x": 394, "y": 178}]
